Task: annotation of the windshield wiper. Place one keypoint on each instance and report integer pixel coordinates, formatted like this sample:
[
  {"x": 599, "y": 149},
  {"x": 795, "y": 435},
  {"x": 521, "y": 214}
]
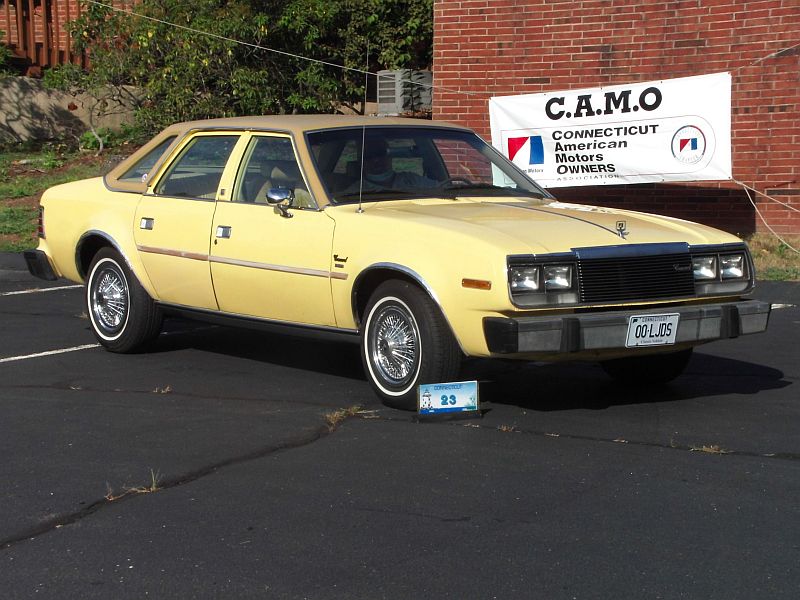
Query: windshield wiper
[
  {"x": 390, "y": 192},
  {"x": 495, "y": 189},
  {"x": 471, "y": 186}
]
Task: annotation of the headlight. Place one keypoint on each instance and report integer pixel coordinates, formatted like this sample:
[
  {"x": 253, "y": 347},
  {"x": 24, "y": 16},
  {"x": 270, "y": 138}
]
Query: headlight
[
  {"x": 704, "y": 267},
  {"x": 549, "y": 280},
  {"x": 724, "y": 269},
  {"x": 557, "y": 277},
  {"x": 524, "y": 279},
  {"x": 732, "y": 266}
]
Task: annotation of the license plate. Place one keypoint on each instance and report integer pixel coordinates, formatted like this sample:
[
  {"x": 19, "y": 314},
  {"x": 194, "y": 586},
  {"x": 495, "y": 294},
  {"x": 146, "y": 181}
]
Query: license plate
[{"x": 652, "y": 330}]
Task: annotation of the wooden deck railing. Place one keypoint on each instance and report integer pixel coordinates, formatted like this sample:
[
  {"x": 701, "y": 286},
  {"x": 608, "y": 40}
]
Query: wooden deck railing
[{"x": 36, "y": 31}]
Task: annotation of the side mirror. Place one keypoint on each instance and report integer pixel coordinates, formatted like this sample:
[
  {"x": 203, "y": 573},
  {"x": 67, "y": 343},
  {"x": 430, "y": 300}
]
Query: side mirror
[{"x": 276, "y": 197}]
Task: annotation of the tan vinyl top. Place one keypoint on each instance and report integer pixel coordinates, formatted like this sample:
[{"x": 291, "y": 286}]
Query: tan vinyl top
[
  {"x": 295, "y": 125},
  {"x": 302, "y": 123}
]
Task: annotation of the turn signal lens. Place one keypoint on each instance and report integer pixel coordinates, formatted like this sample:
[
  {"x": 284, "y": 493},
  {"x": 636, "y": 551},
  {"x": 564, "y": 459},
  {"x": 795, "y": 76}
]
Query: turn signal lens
[{"x": 476, "y": 284}]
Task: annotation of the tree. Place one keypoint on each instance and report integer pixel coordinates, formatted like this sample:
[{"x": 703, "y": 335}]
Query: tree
[{"x": 182, "y": 74}]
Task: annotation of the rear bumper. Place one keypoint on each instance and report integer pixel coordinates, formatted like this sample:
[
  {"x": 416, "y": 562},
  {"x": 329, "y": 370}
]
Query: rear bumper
[
  {"x": 608, "y": 330},
  {"x": 39, "y": 265}
]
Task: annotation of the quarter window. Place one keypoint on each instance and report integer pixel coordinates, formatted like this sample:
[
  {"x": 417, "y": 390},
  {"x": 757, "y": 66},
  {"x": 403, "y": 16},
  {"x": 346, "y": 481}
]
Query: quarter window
[
  {"x": 197, "y": 171},
  {"x": 140, "y": 169}
]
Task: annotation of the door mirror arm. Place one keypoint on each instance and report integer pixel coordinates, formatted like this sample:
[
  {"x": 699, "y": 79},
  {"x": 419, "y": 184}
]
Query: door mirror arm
[{"x": 277, "y": 197}]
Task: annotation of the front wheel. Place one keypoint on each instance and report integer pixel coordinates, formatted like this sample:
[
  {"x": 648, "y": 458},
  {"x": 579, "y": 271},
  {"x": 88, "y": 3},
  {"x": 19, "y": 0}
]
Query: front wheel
[
  {"x": 123, "y": 316},
  {"x": 652, "y": 368},
  {"x": 405, "y": 341}
]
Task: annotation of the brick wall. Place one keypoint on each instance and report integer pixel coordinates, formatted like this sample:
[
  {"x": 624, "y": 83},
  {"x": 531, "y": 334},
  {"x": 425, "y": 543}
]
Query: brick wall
[{"x": 506, "y": 47}]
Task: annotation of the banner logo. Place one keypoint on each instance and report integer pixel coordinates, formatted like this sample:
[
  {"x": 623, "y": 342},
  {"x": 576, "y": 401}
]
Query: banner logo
[
  {"x": 689, "y": 145},
  {"x": 535, "y": 145}
]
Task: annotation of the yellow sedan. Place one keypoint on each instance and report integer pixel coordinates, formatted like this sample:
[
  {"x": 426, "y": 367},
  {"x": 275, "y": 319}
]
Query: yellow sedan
[{"x": 415, "y": 239}]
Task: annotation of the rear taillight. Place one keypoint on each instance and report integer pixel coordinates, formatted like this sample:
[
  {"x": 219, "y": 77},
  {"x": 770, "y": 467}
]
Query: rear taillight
[{"x": 41, "y": 222}]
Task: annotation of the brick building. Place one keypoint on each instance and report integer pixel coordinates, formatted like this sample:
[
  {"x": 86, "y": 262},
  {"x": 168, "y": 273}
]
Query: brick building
[{"x": 508, "y": 47}]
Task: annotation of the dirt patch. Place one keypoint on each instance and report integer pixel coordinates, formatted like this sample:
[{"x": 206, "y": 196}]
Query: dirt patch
[{"x": 25, "y": 202}]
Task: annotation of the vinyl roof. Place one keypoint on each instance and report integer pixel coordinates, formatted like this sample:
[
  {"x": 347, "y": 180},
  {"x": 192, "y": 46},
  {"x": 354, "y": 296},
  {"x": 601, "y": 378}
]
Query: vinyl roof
[{"x": 301, "y": 123}]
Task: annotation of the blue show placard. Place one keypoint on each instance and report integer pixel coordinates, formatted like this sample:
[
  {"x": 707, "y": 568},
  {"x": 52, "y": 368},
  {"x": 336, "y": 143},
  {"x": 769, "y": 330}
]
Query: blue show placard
[{"x": 443, "y": 398}]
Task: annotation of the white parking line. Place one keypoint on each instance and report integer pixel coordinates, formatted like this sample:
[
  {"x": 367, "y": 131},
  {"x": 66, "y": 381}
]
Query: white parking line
[
  {"x": 39, "y": 290},
  {"x": 49, "y": 353}
]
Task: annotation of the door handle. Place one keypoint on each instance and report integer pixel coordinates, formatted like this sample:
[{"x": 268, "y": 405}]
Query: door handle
[
  {"x": 146, "y": 223},
  {"x": 223, "y": 231}
]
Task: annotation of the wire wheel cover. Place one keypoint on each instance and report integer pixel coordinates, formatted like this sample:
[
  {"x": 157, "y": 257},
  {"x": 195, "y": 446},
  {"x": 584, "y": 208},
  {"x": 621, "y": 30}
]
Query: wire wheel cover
[
  {"x": 394, "y": 345},
  {"x": 110, "y": 299}
]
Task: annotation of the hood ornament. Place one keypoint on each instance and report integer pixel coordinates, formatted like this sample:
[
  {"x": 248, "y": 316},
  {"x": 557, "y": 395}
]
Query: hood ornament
[{"x": 622, "y": 229}]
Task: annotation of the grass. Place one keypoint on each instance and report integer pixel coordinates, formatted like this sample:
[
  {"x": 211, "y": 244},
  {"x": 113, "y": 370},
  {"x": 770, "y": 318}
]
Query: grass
[
  {"x": 17, "y": 228},
  {"x": 36, "y": 180},
  {"x": 335, "y": 418},
  {"x": 774, "y": 259},
  {"x": 712, "y": 449},
  {"x": 151, "y": 488},
  {"x": 16, "y": 219},
  {"x": 24, "y": 175}
]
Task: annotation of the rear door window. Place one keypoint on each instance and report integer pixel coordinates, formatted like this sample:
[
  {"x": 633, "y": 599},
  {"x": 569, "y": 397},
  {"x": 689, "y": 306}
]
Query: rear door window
[{"x": 197, "y": 171}]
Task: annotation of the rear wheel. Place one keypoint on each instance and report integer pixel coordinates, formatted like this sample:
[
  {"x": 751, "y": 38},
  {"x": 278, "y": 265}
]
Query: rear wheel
[
  {"x": 405, "y": 342},
  {"x": 653, "y": 368},
  {"x": 123, "y": 316}
]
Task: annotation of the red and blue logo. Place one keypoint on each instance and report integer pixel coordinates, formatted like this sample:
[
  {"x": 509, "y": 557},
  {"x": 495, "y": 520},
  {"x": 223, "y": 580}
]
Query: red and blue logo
[
  {"x": 689, "y": 145},
  {"x": 534, "y": 145}
]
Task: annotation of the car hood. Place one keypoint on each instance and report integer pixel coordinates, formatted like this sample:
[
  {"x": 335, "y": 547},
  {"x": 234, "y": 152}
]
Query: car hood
[{"x": 536, "y": 226}]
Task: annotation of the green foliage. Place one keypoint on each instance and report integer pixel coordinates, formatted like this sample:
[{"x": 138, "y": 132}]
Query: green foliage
[
  {"x": 50, "y": 160},
  {"x": 90, "y": 141},
  {"x": 183, "y": 75},
  {"x": 5, "y": 54}
]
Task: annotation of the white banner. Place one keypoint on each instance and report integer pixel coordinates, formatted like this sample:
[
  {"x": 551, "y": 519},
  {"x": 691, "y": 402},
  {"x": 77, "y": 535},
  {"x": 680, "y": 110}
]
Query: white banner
[{"x": 671, "y": 130}]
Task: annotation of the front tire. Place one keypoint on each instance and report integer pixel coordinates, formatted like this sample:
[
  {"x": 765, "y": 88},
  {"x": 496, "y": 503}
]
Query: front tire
[
  {"x": 652, "y": 368},
  {"x": 405, "y": 342},
  {"x": 123, "y": 316}
]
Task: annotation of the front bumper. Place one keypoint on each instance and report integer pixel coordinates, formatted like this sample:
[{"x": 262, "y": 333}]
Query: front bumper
[
  {"x": 39, "y": 265},
  {"x": 607, "y": 331}
]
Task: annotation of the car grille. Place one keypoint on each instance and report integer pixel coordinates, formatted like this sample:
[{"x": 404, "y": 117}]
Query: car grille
[{"x": 648, "y": 277}]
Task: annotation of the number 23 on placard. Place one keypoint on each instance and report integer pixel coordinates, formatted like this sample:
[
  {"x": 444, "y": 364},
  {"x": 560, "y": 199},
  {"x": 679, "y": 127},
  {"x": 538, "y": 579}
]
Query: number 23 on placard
[{"x": 451, "y": 400}]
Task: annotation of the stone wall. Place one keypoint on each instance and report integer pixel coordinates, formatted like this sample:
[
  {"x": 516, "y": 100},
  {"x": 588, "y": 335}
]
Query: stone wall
[{"x": 30, "y": 111}]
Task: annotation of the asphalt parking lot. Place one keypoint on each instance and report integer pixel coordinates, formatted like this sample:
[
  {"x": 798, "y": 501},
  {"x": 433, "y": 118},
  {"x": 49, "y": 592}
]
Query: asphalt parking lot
[{"x": 214, "y": 467}]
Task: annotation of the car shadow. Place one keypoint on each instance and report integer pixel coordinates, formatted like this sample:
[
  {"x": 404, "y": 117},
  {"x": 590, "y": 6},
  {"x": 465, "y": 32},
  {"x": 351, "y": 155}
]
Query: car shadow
[
  {"x": 535, "y": 386},
  {"x": 570, "y": 386},
  {"x": 321, "y": 356}
]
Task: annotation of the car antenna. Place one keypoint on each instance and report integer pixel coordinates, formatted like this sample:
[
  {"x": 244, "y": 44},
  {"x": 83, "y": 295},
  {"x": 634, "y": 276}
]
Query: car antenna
[{"x": 363, "y": 133}]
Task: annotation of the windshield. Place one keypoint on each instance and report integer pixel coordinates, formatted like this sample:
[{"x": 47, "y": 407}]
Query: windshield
[{"x": 413, "y": 162}]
